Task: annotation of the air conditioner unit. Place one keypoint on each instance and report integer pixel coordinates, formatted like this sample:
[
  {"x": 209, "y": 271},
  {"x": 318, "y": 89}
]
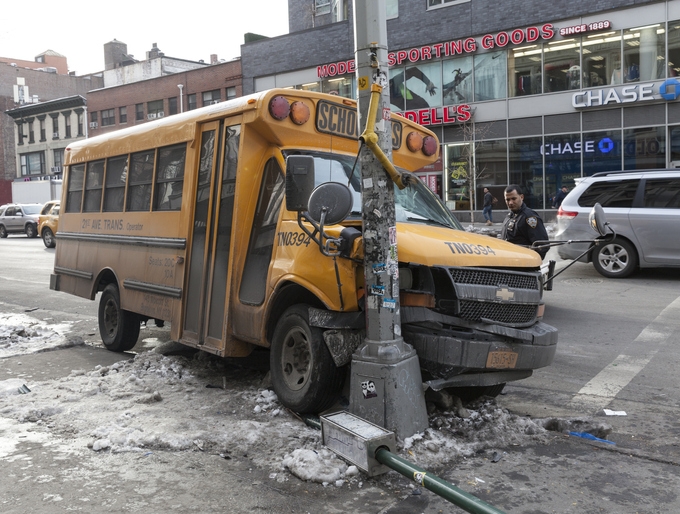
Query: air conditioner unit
[
  {"x": 151, "y": 116},
  {"x": 161, "y": 114},
  {"x": 55, "y": 169},
  {"x": 94, "y": 124},
  {"x": 55, "y": 135}
]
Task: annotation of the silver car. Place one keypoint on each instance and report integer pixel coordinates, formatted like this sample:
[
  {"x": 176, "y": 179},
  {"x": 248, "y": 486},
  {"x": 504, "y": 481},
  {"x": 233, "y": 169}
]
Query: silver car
[
  {"x": 643, "y": 208},
  {"x": 20, "y": 218}
]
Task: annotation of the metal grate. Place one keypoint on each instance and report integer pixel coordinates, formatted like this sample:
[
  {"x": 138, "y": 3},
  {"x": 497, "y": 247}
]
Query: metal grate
[
  {"x": 499, "y": 312},
  {"x": 481, "y": 277}
]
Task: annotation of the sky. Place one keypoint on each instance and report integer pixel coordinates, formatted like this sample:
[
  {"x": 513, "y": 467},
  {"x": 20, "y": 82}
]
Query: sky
[{"x": 79, "y": 29}]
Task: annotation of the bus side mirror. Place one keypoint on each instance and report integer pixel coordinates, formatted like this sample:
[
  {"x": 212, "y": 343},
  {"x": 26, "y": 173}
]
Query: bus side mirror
[
  {"x": 330, "y": 203},
  {"x": 299, "y": 181},
  {"x": 598, "y": 220}
]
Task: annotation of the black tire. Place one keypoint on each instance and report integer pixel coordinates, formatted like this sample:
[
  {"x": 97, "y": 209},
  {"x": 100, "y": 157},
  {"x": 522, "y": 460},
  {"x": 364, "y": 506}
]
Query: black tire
[
  {"x": 303, "y": 373},
  {"x": 615, "y": 259},
  {"x": 31, "y": 230},
  {"x": 48, "y": 238},
  {"x": 3, "y": 231},
  {"x": 470, "y": 394},
  {"x": 119, "y": 329}
]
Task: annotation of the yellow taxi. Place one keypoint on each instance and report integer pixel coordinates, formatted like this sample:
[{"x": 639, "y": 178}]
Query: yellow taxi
[{"x": 49, "y": 222}]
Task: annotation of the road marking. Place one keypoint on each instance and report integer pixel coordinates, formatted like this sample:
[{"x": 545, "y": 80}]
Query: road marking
[{"x": 604, "y": 387}]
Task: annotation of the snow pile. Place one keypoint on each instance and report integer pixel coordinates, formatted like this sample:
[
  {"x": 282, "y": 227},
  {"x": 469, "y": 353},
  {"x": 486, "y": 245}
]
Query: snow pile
[
  {"x": 201, "y": 403},
  {"x": 21, "y": 334}
]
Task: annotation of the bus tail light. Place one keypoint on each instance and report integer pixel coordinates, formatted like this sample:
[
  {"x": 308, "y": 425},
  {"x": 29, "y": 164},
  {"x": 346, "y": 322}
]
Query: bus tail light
[
  {"x": 279, "y": 108},
  {"x": 429, "y": 146},
  {"x": 414, "y": 141},
  {"x": 299, "y": 113}
]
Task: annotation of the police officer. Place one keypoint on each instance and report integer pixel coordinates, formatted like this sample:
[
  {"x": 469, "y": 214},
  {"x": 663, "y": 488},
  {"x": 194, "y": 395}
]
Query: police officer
[{"x": 522, "y": 225}]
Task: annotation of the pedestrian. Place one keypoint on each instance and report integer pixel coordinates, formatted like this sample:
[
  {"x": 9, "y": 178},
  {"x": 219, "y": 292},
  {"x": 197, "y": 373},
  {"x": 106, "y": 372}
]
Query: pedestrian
[
  {"x": 522, "y": 226},
  {"x": 559, "y": 197},
  {"x": 488, "y": 206}
]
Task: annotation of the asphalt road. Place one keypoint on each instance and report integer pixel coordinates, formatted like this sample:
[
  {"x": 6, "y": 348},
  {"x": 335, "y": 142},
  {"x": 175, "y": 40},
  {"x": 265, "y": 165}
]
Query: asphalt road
[{"x": 619, "y": 350}]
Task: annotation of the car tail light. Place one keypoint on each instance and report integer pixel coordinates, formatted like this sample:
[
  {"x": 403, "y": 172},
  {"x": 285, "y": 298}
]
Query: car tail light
[{"x": 567, "y": 215}]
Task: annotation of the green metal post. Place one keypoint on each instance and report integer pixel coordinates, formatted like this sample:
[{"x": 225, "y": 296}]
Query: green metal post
[{"x": 435, "y": 484}]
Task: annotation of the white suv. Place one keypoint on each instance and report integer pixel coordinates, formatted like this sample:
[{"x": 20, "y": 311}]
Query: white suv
[{"x": 643, "y": 208}]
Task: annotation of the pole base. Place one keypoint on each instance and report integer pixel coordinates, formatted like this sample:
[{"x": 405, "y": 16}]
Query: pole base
[{"x": 388, "y": 392}]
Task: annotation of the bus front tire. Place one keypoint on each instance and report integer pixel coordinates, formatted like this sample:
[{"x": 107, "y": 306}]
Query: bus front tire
[
  {"x": 119, "y": 329},
  {"x": 303, "y": 373}
]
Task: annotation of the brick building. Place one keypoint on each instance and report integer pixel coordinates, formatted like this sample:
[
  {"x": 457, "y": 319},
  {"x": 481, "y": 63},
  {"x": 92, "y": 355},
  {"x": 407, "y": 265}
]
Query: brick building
[
  {"x": 21, "y": 86},
  {"x": 126, "y": 105}
]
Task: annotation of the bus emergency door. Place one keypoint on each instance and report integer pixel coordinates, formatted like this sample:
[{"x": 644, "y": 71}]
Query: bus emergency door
[{"x": 207, "y": 305}]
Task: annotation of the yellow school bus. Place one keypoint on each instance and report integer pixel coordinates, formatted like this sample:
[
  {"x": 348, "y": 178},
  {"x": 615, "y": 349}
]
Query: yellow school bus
[{"x": 184, "y": 221}]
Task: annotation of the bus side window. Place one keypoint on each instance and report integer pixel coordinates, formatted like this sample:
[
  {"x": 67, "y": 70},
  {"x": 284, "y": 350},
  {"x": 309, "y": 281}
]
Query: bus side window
[
  {"x": 261, "y": 246},
  {"x": 116, "y": 173},
  {"x": 76, "y": 177},
  {"x": 94, "y": 180},
  {"x": 170, "y": 178},
  {"x": 141, "y": 180}
]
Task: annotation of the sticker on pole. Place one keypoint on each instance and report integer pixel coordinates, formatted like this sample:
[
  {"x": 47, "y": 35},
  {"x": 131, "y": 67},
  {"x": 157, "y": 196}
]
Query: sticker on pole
[
  {"x": 419, "y": 477},
  {"x": 378, "y": 290},
  {"x": 368, "y": 389},
  {"x": 363, "y": 83},
  {"x": 389, "y": 304},
  {"x": 379, "y": 268}
]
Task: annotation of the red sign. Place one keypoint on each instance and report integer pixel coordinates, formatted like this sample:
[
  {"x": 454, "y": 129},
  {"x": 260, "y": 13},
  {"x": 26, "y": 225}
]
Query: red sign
[
  {"x": 439, "y": 115},
  {"x": 457, "y": 47}
]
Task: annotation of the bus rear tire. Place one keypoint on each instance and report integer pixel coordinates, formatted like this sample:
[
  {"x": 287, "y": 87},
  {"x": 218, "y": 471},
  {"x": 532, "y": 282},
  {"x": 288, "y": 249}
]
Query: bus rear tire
[
  {"x": 303, "y": 373},
  {"x": 119, "y": 329}
]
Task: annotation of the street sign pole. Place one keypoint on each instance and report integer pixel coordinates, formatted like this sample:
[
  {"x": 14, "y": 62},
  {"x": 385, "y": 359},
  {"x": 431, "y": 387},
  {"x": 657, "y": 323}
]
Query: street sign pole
[{"x": 386, "y": 384}]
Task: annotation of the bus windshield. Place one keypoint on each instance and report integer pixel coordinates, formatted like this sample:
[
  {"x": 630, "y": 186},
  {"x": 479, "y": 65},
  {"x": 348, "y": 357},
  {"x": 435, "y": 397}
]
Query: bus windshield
[{"x": 413, "y": 204}]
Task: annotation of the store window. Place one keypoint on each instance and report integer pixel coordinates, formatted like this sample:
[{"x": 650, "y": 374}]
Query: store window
[
  {"x": 526, "y": 169},
  {"x": 490, "y": 76},
  {"x": 562, "y": 162},
  {"x": 457, "y": 80},
  {"x": 602, "y": 151},
  {"x": 525, "y": 70},
  {"x": 602, "y": 59},
  {"x": 338, "y": 86},
  {"x": 644, "y": 148},
  {"x": 491, "y": 165},
  {"x": 674, "y": 48},
  {"x": 644, "y": 53},
  {"x": 562, "y": 65},
  {"x": 416, "y": 87},
  {"x": 457, "y": 172},
  {"x": 311, "y": 86},
  {"x": 674, "y": 142}
]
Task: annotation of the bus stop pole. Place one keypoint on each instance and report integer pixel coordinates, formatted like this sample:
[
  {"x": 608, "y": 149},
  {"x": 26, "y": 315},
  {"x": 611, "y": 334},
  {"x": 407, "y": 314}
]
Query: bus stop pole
[{"x": 386, "y": 384}]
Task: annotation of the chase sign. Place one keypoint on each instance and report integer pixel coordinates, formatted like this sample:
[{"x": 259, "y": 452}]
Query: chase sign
[{"x": 668, "y": 90}]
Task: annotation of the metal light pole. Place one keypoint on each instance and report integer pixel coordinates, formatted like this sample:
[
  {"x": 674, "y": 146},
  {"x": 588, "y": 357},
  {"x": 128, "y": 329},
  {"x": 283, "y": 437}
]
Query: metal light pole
[{"x": 386, "y": 384}]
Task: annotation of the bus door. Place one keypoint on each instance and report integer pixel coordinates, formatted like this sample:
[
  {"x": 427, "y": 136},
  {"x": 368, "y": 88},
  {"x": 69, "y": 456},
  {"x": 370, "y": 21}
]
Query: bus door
[{"x": 206, "y": 305}]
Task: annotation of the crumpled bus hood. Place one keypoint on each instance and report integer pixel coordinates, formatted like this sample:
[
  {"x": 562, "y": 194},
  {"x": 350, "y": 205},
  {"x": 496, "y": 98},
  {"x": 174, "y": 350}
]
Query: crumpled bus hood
[{"x": 432, "y": 245}]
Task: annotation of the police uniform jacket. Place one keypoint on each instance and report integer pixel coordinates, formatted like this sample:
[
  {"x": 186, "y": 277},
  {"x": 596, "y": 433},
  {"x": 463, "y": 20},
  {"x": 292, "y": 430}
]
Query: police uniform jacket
[{"x": 524, "y": 227}]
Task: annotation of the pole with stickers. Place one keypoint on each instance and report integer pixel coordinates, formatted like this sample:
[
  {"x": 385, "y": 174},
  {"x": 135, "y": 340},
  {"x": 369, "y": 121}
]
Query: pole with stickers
[{"x": 386, "y": 384}]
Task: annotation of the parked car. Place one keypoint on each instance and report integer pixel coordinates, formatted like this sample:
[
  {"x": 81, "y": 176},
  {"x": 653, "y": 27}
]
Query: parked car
[
  {"x": 20, "y": 217},
  {"x": 643, "y": 208},
  {"x": 49, "y": 222}
]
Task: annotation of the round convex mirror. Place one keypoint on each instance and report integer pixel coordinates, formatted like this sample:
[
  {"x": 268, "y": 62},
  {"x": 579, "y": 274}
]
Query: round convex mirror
[
  {"x": 598, "y": 220},
  {"x": 336, "y": 198}
]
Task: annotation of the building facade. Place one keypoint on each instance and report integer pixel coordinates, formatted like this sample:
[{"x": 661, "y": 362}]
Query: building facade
[
  {"x": 532, "y": 93},
  {"x": 126, "y": 105}
]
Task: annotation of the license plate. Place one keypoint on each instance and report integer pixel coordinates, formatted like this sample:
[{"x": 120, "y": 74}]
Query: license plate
[{"x": 504, "y": 358}]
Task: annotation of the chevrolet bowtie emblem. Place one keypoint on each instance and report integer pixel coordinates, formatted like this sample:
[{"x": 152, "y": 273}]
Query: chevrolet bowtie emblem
[{"x": 504, "y": 294}]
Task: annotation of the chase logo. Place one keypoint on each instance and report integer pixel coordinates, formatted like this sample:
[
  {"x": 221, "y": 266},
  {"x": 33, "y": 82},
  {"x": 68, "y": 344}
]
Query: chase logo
[{"x": 670, "y": 90}]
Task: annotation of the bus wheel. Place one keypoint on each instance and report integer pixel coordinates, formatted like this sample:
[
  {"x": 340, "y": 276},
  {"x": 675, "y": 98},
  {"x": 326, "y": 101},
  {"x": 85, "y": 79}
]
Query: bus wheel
[
  {"x": 119, "y": 329},
  {"x": 303, "y": 373}
]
